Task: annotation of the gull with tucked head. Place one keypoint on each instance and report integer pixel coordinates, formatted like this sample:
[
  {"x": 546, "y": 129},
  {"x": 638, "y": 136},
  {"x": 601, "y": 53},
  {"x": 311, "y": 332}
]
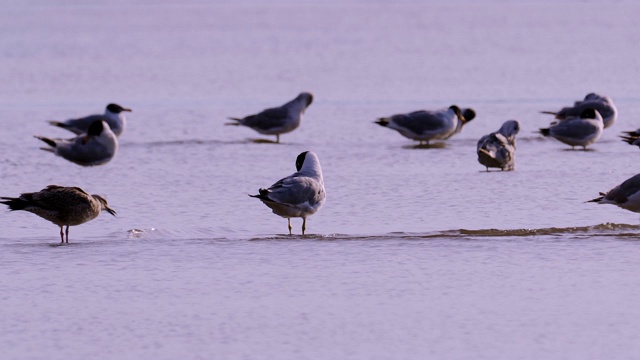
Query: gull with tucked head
[
  {"x": 425, "y": 126},
  {"x": 603, "y": 104},
  {"x": 498, "y": 149}
]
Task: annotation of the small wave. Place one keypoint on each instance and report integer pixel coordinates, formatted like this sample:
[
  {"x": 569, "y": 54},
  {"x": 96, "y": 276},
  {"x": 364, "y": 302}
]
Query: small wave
[
  {"x": 606, "y": 229},
  {"x": 601, "y": 230},
  {"x": 210, "y": 235}
]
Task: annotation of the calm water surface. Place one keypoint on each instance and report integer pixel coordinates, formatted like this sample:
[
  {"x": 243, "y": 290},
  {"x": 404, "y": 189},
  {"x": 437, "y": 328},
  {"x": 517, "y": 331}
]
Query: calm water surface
[{"x": 418, "y": 253}]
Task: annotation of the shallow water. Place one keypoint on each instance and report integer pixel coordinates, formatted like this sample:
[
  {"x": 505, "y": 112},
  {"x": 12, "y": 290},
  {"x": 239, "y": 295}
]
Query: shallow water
[{"x": 417, "y": 253}]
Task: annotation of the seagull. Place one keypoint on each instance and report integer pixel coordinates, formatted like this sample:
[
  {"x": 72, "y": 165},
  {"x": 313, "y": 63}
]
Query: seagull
[
  {"x": 498, "y": 149},
  {"x": 426, "y": 125},
  {"x": 97, "y": 147},
  {"x": 631, "y": 137},
  {"x": 63, "y": 206},
  {"x": 279, "y": 120},
  {"x": 298, "y": 195},
  {"x": 113, "y": 115},
  {"x": 603, "y": 104},
  {"x": 577, "y": 131},
  {"x": 625, "y": 195}
]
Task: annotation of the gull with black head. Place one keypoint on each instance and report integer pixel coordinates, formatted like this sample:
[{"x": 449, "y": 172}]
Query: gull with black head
[
  {"x": 98, "y": 146},
  {"x": 581, "y": 130},
  {"x": 424, "y": 125},
  {"x": 113, "y": 116},
  {"x": 298, "y": 195}
]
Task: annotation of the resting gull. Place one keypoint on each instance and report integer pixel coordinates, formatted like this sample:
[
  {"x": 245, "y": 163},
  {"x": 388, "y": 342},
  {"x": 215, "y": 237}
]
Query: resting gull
[
  {"x": 603, "y": 104},
  {"x": 577, "y": 131},
  {"x": 113, "y": 115},
  {"x": 97, "y": 147},
  {"x": 424, "y": 125},
  {"x": 498, "y": 149},
  {"x": 298, "y": 195}
]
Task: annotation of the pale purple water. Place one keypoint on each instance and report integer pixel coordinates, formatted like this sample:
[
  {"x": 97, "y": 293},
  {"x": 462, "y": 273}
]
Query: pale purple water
[{"x": 417, "y": 253}]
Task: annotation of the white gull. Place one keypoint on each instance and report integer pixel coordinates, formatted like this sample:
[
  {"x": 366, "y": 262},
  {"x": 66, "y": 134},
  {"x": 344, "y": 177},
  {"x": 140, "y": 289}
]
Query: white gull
[
  {"x": 298, "y": 195},
  {"x": 113, "y": 116}
]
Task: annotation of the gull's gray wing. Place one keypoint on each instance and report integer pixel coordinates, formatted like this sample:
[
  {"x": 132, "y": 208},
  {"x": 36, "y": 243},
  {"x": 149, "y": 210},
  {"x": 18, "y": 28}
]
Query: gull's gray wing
[
  {"x": 574, "y": 128},
  {"x": 80, "y": 125},
  {"x": 484, "y": 141},
  {"x": 267, "y": 119},
  {"x": 621, "y": 193},
  {"x": 296, "y": 189},
  {"x": 420, "y": 121},
  {"x": 85, "y": 151},
  {"x": 600, "y": 105}
]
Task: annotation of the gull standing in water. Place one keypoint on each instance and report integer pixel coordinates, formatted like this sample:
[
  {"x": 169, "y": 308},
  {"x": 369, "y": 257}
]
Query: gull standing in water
[
  {"x": 603, "y": 104},
  {"x": 577, "y": 131},
  {"x": 298, "y": 195},
  {"x": 113, "y": 116},
  {"x": 426, "y": 125},
  {"x": 63, "y": 206},
  {"x": 97, "y": 147},
  {"x": 498, "y": 149},
  {"x": 625, "y": 195},
  {"x": 279, "y": 120}
]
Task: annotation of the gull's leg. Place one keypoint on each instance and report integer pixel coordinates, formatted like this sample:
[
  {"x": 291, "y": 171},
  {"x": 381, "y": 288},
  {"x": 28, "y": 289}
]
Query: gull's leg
[
  {"x": 289, "y": 224},
  {"x": 304, "y": 224},
  {"x": 61, "y": 235},
  {"x": 277, "y": 138},
  {"x": 67, "y": 233}
]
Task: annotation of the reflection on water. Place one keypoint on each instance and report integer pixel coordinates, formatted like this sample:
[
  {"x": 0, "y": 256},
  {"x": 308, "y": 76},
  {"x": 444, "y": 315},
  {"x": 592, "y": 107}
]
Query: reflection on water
[{"x": 434, "y": 145}]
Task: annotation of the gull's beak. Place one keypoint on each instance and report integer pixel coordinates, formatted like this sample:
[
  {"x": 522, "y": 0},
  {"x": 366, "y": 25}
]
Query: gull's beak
[{"x": 110, "y": 210}]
